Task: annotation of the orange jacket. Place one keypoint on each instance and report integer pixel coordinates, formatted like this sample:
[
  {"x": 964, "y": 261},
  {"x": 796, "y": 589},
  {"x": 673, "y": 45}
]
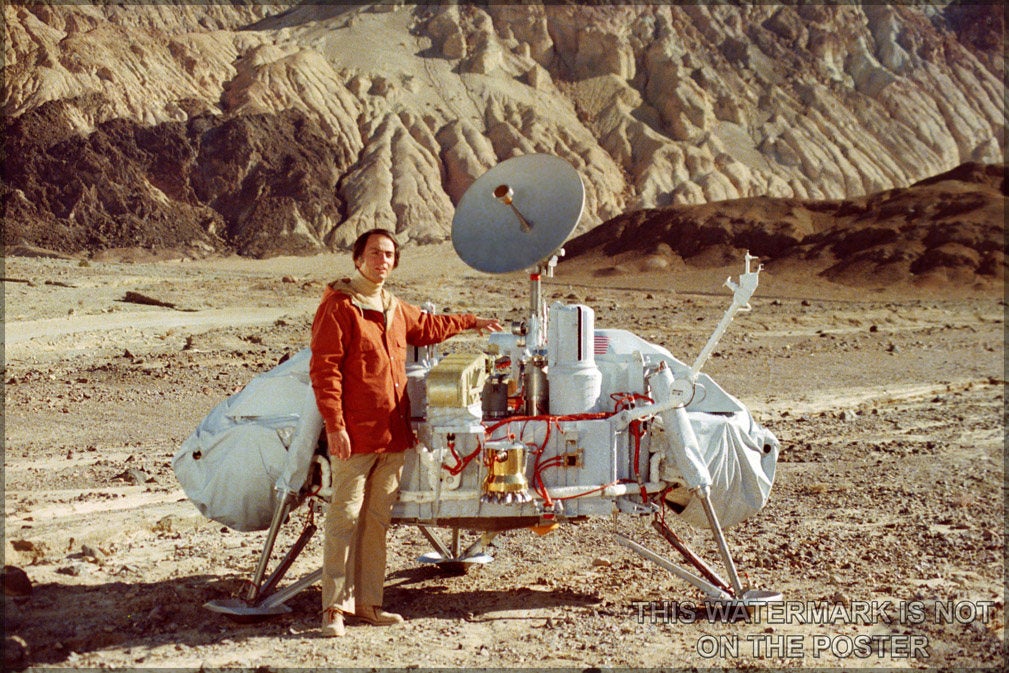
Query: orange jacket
[{"x": 358, "y": 367}]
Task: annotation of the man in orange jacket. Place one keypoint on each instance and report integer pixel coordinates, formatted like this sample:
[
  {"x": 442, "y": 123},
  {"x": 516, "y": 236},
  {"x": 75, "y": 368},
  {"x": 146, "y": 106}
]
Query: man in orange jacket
[{"x": 358, "y": 371}]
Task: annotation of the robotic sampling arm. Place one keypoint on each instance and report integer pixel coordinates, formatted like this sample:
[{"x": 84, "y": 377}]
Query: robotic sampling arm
[{"x": 671, "y": 397}]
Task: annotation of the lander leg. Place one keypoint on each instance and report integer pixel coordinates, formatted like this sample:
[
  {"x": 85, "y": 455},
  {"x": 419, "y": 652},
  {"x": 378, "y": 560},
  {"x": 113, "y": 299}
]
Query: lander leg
[
  {"x": 454, "y": 559},
  {"x": 715, "y": 589},
  {"x": 261, "y": 600},
  {"x": 703, "y": 494},
  {"x": 688, "y": 554},
  {"x": 707, "y": 587}
]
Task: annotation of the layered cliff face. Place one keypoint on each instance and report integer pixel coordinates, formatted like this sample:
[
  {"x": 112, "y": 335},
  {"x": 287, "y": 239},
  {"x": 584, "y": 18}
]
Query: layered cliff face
[{"x": 275, "y": 129}]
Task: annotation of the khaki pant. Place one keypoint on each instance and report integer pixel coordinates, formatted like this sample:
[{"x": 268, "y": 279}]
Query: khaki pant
[{"x": 365, "y": 487}]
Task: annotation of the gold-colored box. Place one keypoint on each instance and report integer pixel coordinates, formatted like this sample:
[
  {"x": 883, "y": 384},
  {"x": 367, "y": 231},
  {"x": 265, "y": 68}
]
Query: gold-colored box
[{"x": 457, "y": 380}]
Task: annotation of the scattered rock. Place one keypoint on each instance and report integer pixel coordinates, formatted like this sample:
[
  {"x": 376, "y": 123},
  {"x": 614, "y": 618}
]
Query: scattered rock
[
  {"x": 75, "y": 569},
  {"x": 138, "y": 298},
  {"x": 16, "y": 582},
  {"x": 135, "y": 476},
  {"x": 15, "y": 653},
  {"x": 167, "y": 524},
  {"x": 93, "y": 554}
]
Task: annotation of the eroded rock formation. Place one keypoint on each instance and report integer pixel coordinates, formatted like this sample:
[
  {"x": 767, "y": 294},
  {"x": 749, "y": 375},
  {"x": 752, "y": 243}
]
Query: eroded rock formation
[{"x": 268, "y": 129}]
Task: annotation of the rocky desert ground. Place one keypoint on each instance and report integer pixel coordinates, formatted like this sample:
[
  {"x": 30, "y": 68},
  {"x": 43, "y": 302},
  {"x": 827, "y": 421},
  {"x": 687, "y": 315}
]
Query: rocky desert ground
[{"x": 884, "y": 532}]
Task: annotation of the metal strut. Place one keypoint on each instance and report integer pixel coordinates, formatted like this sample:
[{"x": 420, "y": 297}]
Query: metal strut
[
  {"x": 702, "y": 584},
  {"x": 711, "y": 584},
  {"x": 688, "y": 554},
  {"x": 723, "y": 548},
  {"x": 261, "y": 599},
  {"x": 284, "y": 508},
  {"x": 457, "y": 559}
]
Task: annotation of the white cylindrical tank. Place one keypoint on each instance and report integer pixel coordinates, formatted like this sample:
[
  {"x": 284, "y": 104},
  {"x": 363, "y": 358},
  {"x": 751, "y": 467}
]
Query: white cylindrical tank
[
  {"x": 419, "y": 360},
  {"x": 575, "y": 381}
]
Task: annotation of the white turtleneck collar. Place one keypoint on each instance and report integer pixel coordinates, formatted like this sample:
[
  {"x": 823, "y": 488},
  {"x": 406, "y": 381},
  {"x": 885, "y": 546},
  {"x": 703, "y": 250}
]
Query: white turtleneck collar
[{"x": 368, "y": 295}]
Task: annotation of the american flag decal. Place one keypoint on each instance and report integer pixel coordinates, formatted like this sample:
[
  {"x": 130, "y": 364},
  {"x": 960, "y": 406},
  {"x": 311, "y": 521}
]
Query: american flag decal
[{"x": 600, "y": 344}]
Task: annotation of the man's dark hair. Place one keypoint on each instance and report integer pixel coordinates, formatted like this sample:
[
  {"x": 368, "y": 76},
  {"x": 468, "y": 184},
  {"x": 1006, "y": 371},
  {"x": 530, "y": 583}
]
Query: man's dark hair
[{"x": 362, "y": 241}]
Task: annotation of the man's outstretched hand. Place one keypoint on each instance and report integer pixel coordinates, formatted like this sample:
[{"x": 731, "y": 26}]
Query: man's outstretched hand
[{"x": 489, "y": 324}]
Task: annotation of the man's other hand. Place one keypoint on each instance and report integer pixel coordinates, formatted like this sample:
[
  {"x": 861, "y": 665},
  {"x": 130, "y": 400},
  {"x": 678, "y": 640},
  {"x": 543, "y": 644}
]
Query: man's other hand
[{"x": 339, "y": 443}]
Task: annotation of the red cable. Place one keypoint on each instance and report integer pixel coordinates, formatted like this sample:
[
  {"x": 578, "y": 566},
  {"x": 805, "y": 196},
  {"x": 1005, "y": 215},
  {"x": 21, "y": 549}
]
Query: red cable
[{"x": 637, "y": 432}]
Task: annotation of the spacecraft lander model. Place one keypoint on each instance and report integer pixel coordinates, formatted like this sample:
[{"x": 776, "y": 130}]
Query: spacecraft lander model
[{"x": 554, "y": 421}]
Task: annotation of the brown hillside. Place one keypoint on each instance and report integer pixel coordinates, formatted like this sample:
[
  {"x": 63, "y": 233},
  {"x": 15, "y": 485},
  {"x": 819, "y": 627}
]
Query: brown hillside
[{"x": 949, "y": 229}]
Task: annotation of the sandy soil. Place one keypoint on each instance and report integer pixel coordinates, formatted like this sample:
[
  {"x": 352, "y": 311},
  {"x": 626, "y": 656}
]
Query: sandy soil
[{"x": 888, "y": 500}]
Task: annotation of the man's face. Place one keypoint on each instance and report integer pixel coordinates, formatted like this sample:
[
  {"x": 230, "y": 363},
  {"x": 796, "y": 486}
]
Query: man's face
[{"x": 378, "y": 258}]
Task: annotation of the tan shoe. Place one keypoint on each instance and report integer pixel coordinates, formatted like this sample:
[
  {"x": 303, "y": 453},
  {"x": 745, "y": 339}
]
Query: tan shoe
[
  {"x": 332, "y": 623},
  {"x": 377, "y": 616}
]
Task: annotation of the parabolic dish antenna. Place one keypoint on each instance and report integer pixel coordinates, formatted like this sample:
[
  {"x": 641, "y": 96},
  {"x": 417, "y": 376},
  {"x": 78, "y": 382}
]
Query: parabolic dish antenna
[{"x": 518, "y": 213}]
